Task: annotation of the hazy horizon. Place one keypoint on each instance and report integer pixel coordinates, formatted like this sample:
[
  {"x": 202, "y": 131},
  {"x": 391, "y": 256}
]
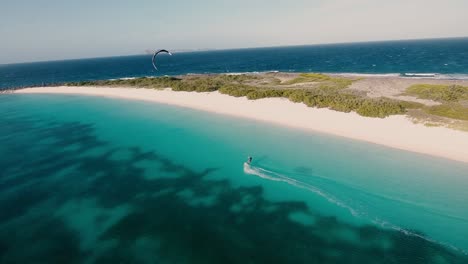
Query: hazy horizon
[
  {"x": 147, "y": 52},
  {"x": 60, "y": 30}
]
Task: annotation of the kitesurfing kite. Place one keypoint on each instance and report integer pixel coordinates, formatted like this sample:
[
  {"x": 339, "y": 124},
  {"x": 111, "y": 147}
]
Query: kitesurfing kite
[{"x": 156, "y": 53}]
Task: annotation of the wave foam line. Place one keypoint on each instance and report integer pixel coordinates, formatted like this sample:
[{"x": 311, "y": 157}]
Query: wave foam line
[
  {"x": 388, "y": 225},
  {"x": 262, "y": 173},
  {"x": 265, "y": 174}
]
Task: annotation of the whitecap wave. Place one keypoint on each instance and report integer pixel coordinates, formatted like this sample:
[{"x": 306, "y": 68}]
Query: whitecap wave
[
  {"x": 251, "y": 72},
  {"x": 123, "y": 78},
  {"x": 454, "y": 76},
  {"x": 352, "y": 74},
  {"x": 419, "y": 75},
  {"x": 438, "y": 76}
]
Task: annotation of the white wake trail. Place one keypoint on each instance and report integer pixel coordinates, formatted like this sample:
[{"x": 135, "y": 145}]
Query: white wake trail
[{"x": 273, "y": 176}]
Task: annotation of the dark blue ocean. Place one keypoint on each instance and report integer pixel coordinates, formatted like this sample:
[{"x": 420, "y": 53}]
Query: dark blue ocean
[{"x": 448, "y": 58}]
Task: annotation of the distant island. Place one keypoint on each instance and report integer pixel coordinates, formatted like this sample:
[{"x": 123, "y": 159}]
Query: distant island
[
  {"x": 424, "y": 115},
  {"x": 430, "y": 101}
]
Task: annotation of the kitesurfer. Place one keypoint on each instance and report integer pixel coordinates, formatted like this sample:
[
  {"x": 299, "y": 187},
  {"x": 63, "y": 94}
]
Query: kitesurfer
[{"x": 156, "y": 53}]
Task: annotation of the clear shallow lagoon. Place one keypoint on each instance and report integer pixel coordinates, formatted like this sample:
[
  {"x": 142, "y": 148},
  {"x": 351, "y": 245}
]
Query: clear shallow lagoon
[{"x": 88, "y": 179}]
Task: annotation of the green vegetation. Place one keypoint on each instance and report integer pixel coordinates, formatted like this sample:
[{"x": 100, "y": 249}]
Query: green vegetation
[
  {"x": 432, "y": 124},
  {"x": 203, "y": 83},
  {"x": 411, "y": 105},
  {"x": 156, "y": 83},
  {"x": 453, "y": 110},
  {"x": 380, "y": 108},
  {"x": 323, "y": 92},
  {"x": 309, "y": 77},
  {"x": 323, "y": 81},
  {"x": 451, "y": 98},
  {"x": 439, "y": 93},
  {"x": 342, "y": 102}
]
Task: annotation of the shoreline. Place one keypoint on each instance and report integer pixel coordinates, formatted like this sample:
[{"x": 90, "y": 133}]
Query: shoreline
[{"x": 395, "y": 131}]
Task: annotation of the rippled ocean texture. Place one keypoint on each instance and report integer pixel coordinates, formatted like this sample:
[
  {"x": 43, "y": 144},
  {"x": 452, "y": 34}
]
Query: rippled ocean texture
[
  {"x": 95, "y": 180},
  {"x": 446, "y": 57}
]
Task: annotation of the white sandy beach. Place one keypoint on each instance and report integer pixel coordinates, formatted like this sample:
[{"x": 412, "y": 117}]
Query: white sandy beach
[{"x": 395, "y": 131}]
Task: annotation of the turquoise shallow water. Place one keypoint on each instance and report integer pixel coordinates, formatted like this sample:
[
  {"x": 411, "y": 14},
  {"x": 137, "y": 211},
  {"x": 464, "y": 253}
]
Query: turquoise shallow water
[{"x": 96, "y": 180}]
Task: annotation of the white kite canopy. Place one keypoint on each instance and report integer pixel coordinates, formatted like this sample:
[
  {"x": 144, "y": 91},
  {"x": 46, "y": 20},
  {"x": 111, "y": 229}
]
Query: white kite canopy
[{"x": 156, "y": 53}]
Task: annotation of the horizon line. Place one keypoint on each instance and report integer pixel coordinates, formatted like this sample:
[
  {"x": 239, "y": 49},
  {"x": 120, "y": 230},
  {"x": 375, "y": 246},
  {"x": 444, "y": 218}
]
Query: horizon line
[{"x": 242, "y": 48}]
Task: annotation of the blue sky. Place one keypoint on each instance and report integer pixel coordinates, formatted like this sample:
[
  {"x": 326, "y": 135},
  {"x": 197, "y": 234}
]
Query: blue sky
[{"x": 36, "y": 30}]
